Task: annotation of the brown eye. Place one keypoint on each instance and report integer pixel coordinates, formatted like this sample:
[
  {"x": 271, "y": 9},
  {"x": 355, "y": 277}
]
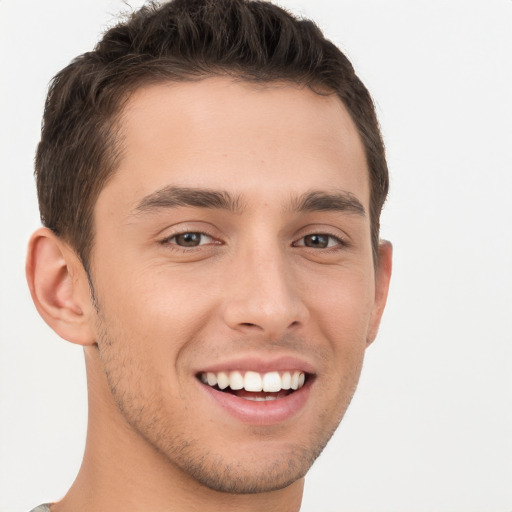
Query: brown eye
[
  {"x": 317, "y": 241},
  {"x": 190, "y": 239}
]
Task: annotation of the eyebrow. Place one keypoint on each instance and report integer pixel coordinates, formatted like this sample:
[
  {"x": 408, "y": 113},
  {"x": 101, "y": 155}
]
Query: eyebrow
[
  {"x": 319, "y": 201},
  {"x": 313, "y": 201},
  {"x": 173, "y": 197}
]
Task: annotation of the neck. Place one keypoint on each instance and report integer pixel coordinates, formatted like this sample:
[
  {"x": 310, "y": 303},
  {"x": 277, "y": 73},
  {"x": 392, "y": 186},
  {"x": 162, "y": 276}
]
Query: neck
[{"x": 121, "y": 471}]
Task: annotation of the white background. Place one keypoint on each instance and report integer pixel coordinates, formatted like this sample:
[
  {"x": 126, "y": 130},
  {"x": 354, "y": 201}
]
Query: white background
[{"x": 430, "y": 428}]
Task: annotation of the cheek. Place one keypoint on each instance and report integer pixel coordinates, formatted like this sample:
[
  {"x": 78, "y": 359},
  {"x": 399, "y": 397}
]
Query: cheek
[
  {"x": 153, "y": 314},
  {"x": 141, "y": 330},
  {"x": 342, "y": 306}
]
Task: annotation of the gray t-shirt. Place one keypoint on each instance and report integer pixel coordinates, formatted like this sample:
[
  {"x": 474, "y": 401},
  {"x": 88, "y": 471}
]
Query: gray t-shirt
[{"x": 42, "y": 508}]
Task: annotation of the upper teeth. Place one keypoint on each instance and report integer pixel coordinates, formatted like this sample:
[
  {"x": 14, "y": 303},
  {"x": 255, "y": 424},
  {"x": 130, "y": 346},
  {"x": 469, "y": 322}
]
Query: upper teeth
[{"x": 254, "y": 381}]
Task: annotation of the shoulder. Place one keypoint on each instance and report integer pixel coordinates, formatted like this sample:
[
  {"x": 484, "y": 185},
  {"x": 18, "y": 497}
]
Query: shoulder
[{"x": 41, "y": 508}]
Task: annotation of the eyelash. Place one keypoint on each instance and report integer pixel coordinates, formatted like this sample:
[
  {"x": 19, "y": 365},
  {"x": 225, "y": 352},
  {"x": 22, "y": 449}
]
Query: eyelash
[
  {"x": 338, "y": 242},
  {"x": 168, "y": 241}
]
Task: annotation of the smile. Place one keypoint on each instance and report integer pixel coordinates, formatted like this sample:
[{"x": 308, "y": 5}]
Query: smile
[
  {"x": 255, "y": 386},
  {"x": 259, "y": 391}
]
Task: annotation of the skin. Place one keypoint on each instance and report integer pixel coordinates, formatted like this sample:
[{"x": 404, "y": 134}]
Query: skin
[{"x": 255, "y": 287}]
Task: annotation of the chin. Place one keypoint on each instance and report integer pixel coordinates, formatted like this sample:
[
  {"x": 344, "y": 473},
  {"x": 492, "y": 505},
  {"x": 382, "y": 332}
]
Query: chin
[
  {"x": 250, "y": 478},
  {"x": 263, "y": 467}
]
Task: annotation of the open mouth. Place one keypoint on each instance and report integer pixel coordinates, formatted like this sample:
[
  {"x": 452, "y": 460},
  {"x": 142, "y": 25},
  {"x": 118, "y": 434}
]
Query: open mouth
[{"x": 255, "y": 386}]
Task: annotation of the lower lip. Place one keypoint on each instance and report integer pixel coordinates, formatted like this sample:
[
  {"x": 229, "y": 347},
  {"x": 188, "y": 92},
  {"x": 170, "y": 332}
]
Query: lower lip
[{"x": 267, "y": 412}]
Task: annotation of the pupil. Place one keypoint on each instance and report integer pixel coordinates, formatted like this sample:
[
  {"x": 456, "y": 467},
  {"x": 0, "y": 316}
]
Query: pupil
[
  {"x": 188, "y": 239},
  {"x": 316, "y": 241}
]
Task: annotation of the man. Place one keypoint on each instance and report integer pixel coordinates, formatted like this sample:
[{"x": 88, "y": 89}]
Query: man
[{"x": 210, "y": 179}]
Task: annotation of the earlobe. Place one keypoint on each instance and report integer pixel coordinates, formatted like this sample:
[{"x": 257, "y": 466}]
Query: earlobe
[
  {"x": 59, "y": 288},
  {"x": 382, "y": 278}
]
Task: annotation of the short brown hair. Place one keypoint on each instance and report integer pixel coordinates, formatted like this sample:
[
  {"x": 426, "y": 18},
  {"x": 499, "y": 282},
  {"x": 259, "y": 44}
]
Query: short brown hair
[{"x": 179, "y": 41}]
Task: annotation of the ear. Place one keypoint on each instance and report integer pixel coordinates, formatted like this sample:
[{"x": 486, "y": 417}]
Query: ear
[
  {"x": 59, "y": 287},
  {"x": 382, "y": 277}
]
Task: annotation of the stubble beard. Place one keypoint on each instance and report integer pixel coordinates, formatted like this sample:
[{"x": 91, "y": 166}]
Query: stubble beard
[{"x": 144, "y": 413}]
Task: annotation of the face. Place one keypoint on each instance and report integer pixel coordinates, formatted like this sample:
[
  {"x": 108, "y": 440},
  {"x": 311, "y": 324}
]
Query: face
[{"x": 233, "y": 276}]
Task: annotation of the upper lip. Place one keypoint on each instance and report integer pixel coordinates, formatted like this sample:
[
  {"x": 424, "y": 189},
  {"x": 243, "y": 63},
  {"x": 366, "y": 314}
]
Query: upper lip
[{"x": 261, "y": 364}]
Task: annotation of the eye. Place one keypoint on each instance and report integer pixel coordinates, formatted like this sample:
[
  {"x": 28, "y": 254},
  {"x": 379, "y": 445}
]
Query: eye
[
  {"x": 319, "y": 241},
  {"x": 189, "y": 239}
]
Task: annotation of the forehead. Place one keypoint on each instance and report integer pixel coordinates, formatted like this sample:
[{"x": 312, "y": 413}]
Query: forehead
[{"x": 258, "y": 140}]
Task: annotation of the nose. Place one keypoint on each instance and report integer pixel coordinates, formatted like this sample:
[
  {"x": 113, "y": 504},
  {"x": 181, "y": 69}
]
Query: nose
[{"x": 262, "y": 296}]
